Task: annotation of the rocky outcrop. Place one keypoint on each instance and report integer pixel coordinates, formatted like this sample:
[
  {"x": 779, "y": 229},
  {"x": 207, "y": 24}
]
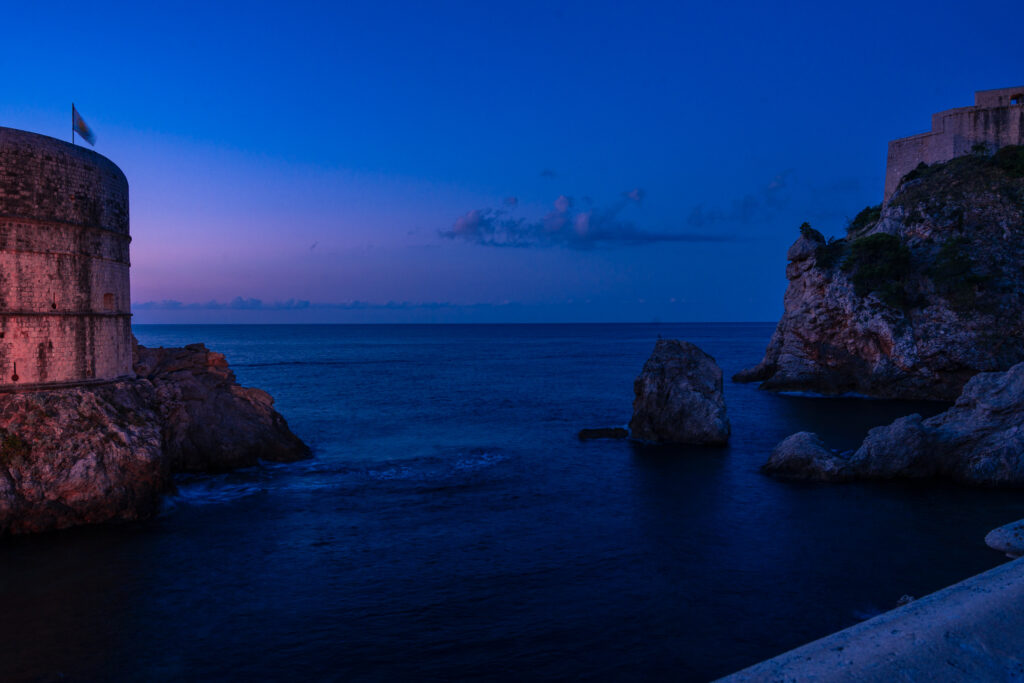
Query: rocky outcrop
[
  {"x": 101, "y": 453},
  {"x": 210, "y": 423},
  {"x": 678, "y": 397},
  {"x": 918, "y": 297},
  {"x": 978, "y": 441},
  {"x": 79, "y": 456}
]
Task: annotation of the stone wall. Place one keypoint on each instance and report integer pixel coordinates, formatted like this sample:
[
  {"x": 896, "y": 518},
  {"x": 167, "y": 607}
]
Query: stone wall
[
  {"x": 996, "y": 120},
  {"x": 65, "y": 313}
]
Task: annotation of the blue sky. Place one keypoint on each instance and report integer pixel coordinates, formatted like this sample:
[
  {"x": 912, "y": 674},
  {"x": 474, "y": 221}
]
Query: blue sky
[{"x": 461, "y": 162}]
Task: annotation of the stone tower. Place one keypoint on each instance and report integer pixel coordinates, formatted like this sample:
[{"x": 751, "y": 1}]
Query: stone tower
[
  {"x": 65, "y": 315},
  {"x": 996, "y": 120}
]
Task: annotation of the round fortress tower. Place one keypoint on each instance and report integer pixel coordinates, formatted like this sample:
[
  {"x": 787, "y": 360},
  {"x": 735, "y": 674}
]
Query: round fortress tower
[{"x": 65, "y": 315}]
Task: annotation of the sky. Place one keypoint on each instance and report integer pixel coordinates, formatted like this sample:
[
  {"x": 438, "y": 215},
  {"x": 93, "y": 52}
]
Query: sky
[{"x": 484, "y": 162}]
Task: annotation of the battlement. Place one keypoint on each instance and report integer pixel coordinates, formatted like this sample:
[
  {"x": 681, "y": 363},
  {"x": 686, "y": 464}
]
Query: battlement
[
  {"x": 1002, "y": 97},
  {"x": 996, "y": 120}
]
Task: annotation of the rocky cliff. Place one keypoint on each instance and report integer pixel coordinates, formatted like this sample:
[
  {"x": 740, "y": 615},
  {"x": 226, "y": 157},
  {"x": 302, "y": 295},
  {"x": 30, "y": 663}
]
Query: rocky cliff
[
  {"x": 919, "y": 296},
  {"x": 103, "y": 453}
]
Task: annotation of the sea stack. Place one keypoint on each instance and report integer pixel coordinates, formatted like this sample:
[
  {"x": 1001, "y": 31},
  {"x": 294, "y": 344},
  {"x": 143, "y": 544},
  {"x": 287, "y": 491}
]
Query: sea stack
[{"x": 678, "y": 397}]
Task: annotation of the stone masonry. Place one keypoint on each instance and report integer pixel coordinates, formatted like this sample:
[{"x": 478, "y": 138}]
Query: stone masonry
[
  {"x": 996, "y": 120},
  {"x": 65, "y": 313}
]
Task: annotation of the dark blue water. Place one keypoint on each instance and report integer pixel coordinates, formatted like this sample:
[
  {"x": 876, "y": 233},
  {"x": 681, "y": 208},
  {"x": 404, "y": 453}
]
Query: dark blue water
[{"x": 451, "y": 526}]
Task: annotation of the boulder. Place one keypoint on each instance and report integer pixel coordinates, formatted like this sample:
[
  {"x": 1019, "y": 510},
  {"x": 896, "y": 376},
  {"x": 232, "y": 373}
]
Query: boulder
[
  {"x": 804, "y": 456},
  {"x": 1008, "y": 539},
  {"x": 678, "y": 397},
  {"x": 979, "y": 440},
  {"x": 901, "y": 449}
]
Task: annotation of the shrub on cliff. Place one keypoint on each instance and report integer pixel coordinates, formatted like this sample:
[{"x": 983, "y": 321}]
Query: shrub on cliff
[
  {"x": 810, "y": 233},
  {"x": 879, "y": 264},
  {"x": 868, "y": 216},
  {"x": 954, "y": 275},
  {"x": 830, "y": 254},
  {"x": 1011, "y": 160},
  {"x": 922, "y": 170}
]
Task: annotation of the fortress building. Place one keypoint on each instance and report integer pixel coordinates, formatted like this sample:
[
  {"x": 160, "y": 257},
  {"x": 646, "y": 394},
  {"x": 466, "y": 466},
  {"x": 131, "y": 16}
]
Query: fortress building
[
  {"x": 64, "y": 305},
  {"x": 996, "y": 120}
]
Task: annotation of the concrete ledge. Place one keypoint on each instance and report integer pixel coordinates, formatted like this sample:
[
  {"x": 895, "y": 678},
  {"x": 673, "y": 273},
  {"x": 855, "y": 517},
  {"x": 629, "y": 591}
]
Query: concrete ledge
[{"x": 973, "y": 630}]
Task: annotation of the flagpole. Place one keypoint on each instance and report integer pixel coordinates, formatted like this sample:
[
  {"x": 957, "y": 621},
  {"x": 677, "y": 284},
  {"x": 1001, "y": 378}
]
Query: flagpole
[{"x": 72, "y": 123}]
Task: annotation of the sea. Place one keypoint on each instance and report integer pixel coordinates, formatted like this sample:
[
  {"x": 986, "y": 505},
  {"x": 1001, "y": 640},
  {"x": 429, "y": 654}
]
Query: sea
[{"x": 451, "y": 525}]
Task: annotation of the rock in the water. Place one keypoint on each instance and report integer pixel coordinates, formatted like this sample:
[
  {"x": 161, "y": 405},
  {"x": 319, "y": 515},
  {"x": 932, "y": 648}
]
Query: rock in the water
[
  {"x": 603, "y": 433},
  {"x": 79, "y": 456},
  {"x": 101, "y": 453},
  {"x": 210, "y": 423},
  {"x": 804, "y": 456},
  {"x": 678, "y": 397},
  {"x": 919, "y": 296},
  {"x": 1008, "y": 539},
  {"x": 980, "y": 440},
  {"x": 901, "y": 449}
]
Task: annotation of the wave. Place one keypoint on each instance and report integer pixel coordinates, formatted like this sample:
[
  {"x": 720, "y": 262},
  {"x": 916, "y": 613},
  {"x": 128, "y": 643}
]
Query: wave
[
  {"x": 210, "y": 491},
  {"x": 437, "y": 468},
  {"x": 458, "y": 468}
]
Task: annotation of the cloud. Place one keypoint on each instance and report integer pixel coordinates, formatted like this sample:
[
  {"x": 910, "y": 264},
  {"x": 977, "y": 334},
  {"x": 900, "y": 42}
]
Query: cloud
[
  {"x": 511, "y": 201},
  {"x": 564, "y": 226},
  {"x": 247, "y": 304},
  {"x": 758, "y": 207},
  {"x": 547, "y": 173},
  {"x": 237, "y": 304}
]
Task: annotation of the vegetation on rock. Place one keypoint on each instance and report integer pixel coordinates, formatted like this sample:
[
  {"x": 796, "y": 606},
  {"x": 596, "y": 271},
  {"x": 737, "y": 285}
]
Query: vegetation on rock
[
  {"x": 810, "y": 233},
  {"x": 954, "y": 274},
  {"x": 868, "y": 216},
  {"x": 830, "y": 254},
  {"x": 1010, "y": 160},
  {"x": 12, "y": 447},
  {"x": 879, "y": 264}
]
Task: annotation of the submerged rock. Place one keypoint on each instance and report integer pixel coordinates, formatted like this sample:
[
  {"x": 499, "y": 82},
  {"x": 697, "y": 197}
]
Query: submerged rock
[
  {"x": 603, "y": 433},
  {"x": 678, "y": 397},
  {"x": 918, "y": 297},
  {"x": 980, "y": 440},
  {"x": 100, "y": 453}
]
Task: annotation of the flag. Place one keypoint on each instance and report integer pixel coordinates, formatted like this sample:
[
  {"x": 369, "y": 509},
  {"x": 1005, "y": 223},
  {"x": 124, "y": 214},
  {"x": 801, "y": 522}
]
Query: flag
[{"x": 78, "y": 125}]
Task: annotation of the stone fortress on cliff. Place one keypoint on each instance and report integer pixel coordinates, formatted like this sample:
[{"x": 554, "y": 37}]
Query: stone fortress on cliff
[
  {"x": 996, "y": 120},
  {"x": 65, "y": 315}
]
